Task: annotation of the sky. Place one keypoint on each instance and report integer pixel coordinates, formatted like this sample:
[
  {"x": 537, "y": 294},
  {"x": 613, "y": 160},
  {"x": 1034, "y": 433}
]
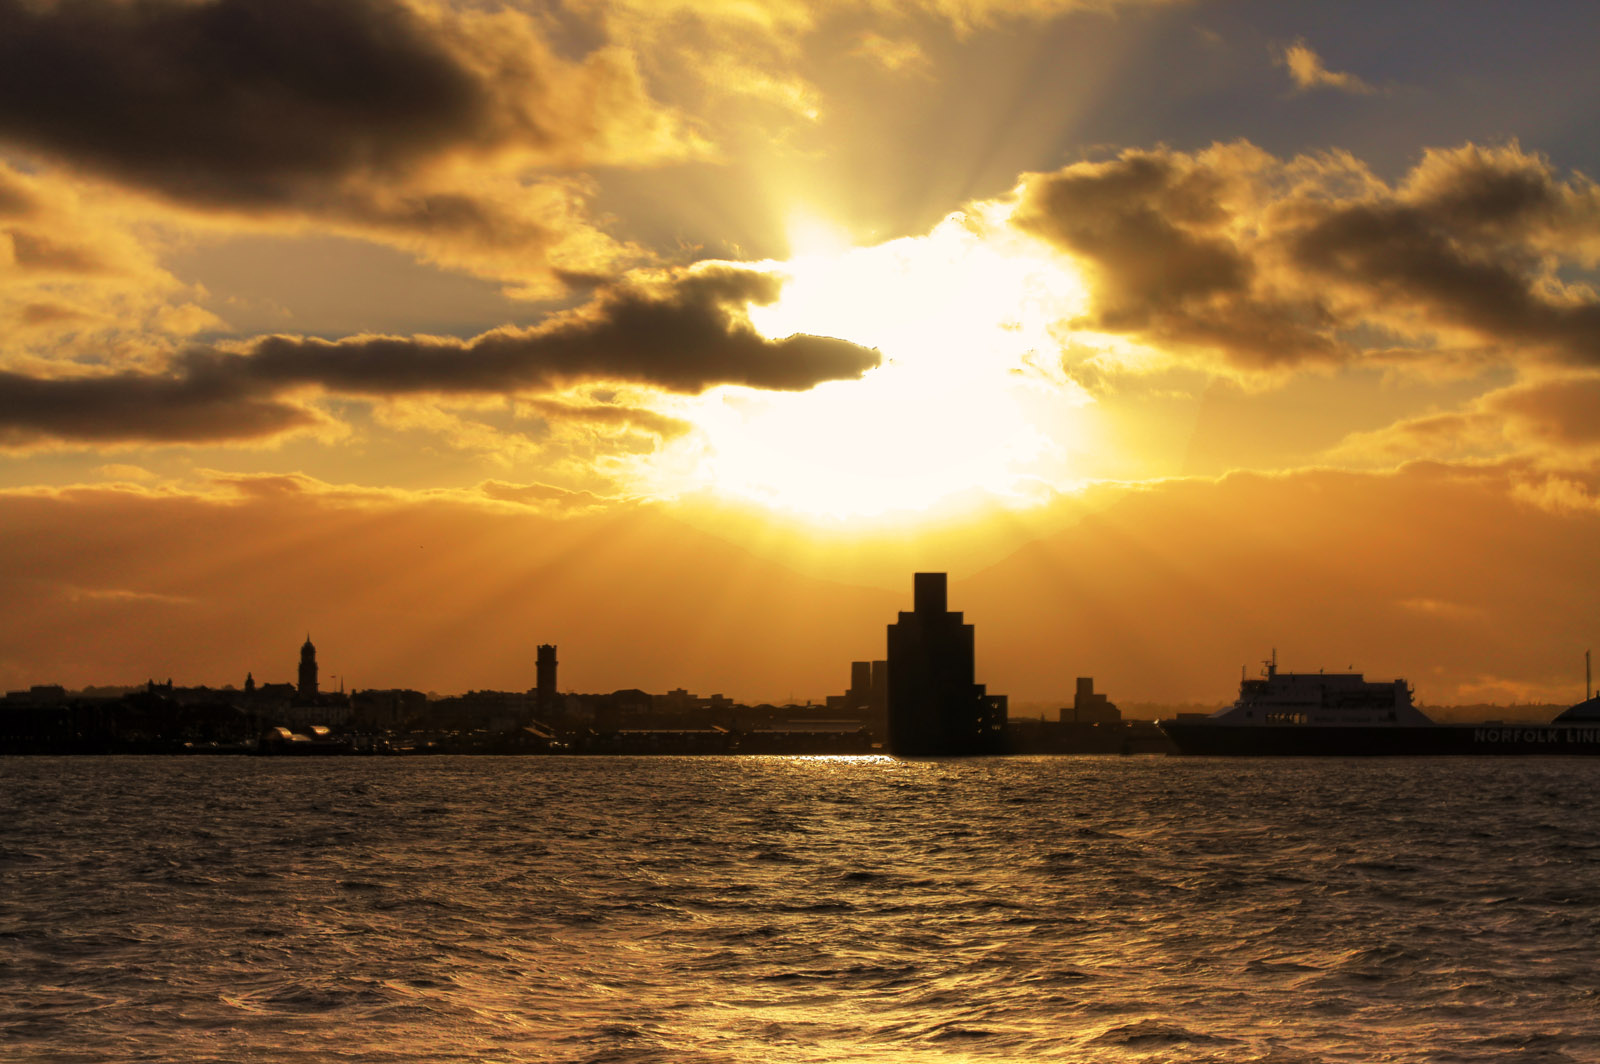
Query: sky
[{"x": 679, "y": 333}]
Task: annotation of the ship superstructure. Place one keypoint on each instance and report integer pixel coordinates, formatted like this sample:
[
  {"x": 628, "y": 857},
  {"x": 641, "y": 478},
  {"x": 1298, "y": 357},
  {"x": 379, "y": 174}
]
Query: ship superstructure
[
  {"x": 1342, "y": 714},
  {"x": 1336, "y": 700}
]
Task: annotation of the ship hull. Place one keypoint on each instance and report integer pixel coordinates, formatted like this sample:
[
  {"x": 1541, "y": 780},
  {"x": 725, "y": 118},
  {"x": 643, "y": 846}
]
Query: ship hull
[{"x": 1243, "y": 740}]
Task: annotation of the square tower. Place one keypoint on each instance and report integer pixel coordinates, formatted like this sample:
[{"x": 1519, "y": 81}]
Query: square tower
[{"x": 935, "y": 707}]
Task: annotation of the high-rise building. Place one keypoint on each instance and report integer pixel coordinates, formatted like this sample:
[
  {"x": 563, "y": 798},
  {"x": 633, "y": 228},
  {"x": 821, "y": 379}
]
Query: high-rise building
[
  {"x": 935, "y": 708},
  {"x": 307, "y": 688},
  {"x": 545, "y": 691},
  {"x": 878, "y": 698},
  {"x": 860, "y": 693}
]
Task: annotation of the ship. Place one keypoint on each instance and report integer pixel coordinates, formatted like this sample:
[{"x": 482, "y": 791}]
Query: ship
[{"x": 1345, "y": 715}]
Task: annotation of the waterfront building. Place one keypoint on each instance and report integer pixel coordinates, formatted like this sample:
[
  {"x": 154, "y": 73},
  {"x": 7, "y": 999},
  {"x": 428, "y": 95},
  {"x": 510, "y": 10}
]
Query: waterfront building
[
  {"x": 860, "y": 692},
  {"x": 935, "y": 707},
  {"x": 1090, "y": 706}
]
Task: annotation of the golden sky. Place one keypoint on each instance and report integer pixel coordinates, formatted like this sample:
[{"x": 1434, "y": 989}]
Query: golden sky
[{"x": 680, "y": 333}]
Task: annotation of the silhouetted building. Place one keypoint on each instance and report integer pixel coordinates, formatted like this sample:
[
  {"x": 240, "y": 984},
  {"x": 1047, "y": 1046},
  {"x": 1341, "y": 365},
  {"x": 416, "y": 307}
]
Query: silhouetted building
[
  {"x": 39, "y": 694},
  {"x": 935, "y": 708},
  {"x": 878, "y": 693},
  {"x": 858, "y": 695},
  {"x": 545, "y": 689},
  {"x": 860, "y": 692},
  {"x": 280, "y": 693},
  {"x": 490, "y": 711},
  {"x": 387, "y": 710},
  {"x": 1088, "y": 707},
  {"x": 307, "y": 688}
]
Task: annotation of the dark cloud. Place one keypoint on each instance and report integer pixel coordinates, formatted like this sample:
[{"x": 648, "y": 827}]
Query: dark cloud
[
  {"x": 1488, "y": 194},
  {"x": 1147, "y": 222},
  {"x": 1157, "y": 231},
  {"x": 254, "y": 101},
  {"x": 1263, "y": 263},
  {"x": 131, "y": 407},
  {"x": 1416, "y": 258},
  {"x": 685, "y": 335},
  {"x": 231, "y": 100},
  {"x": 406, "y": 121}
]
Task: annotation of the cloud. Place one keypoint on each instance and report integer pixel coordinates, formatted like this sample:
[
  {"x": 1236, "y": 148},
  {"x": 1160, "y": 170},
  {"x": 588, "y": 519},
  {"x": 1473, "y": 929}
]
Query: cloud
[
  {"x": 686, "y": 334},
  {"x": 299, "y": 490},
  {"x": 543, "y": 496},
  {"x": 574, "y": 437},
  {"x": 125, "y": 473},
  {"x": 896, "y": 56},
  {"x": 129, "y": 407},
  {"x": 124, "y": 595},
  {"x": 444, "y": 131},
  {"x": 272, "y": 102},
  {"x": 1163, "y": 235},
  {"x": 1452, "y": 435},
  {"x": 792, "y": 18},
  {"x": 1449, "y": 611},
  {"x": 604, "y": 417},
  {"x": 1548, "y": 419},
  {"x": 1233, "y": 257},
  {"x": 1561, "y": 412},
  {"x": 1306, "y": 68},
  {"x": 683, "y": 332},
  {"x": 461, "y": 134},
  {"x": 75, "y": 273},
  {"x": 1560, "y": 495}
]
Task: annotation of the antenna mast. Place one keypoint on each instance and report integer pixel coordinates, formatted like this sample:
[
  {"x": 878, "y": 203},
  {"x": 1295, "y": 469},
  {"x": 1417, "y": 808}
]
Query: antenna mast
[{"x": 1588, "y": 678}]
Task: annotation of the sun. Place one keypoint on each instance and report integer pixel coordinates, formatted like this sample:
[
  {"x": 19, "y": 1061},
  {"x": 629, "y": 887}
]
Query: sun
[{"x": 969, "y": 396}]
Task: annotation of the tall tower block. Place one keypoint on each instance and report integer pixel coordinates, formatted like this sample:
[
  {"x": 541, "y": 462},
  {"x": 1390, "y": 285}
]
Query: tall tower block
[
  {"x": 307, "y": 688},
  {"x": 935, "y": 708},
  {"x": 545, "y": 691},
  {"x": 859, "y": 697}
]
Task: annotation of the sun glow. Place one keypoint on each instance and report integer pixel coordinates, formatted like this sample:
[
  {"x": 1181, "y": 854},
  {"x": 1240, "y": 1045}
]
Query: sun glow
[{"x": 969, "y": 397}]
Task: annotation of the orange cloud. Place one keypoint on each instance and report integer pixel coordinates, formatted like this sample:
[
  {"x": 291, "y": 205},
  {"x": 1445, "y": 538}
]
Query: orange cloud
[
  {"x": 897, "y": 56},
  {"x": 1547, "y": 419},
  {"x": 1306, "y": 68},
  {"x": 75, "y": 278}
]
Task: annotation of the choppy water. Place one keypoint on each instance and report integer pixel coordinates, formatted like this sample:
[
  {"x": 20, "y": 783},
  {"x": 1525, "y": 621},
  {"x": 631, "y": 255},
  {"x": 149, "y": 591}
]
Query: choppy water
[{"x": 798, "y": 909}]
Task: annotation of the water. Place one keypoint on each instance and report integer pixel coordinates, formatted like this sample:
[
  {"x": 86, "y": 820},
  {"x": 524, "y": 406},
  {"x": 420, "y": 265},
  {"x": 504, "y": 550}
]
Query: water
[{"x": 798, "y": 909}]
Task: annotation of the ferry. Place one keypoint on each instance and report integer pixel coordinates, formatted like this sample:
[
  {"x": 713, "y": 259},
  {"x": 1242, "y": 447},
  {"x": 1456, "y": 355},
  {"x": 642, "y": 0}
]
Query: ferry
[{"x": 1343, "y": 714}]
